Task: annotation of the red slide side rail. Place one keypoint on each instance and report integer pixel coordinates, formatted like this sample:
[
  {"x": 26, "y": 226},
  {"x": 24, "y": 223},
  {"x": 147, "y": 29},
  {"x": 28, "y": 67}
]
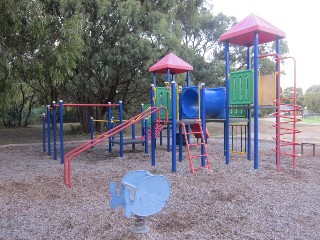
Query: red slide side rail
[{"x": 75, "y": 152}]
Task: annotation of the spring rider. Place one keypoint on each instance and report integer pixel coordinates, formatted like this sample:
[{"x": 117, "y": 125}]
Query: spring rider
[{"x": 141, "y": 194}]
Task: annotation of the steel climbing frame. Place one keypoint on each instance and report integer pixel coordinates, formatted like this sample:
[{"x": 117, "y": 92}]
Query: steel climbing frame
[
  {"x": 61, "y": 106},
  {"x": 281, "y": 114}
]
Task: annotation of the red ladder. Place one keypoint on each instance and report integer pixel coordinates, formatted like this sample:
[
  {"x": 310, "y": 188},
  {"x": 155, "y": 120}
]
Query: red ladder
[{"x": 198, "y": 132}]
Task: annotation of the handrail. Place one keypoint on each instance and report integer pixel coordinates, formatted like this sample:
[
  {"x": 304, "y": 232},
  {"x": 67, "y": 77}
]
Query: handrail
[{"x": 75, "y": 152}]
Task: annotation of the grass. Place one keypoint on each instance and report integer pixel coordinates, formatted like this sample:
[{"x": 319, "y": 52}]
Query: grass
[
  {"x": 33, "y": 134},
  {"x": 315, "y": 119}
]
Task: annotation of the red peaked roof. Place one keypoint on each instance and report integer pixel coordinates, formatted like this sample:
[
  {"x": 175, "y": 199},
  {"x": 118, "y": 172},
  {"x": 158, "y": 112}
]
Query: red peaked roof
[
  {"x": 243, "y": 32},
  {"x": 174, "y": 63}
]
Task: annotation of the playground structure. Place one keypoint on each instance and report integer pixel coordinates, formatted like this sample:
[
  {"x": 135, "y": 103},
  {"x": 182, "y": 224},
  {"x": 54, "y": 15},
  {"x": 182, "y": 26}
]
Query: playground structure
[
  {"x": 251, "y": 32},
  {"x": 190, "y": 107}
]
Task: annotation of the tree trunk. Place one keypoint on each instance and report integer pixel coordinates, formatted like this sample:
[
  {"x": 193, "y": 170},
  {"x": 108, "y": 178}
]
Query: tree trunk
[{"x": 84, "y": 114}]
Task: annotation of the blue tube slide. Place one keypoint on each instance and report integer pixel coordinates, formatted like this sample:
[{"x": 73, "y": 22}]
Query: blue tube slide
[{"x": 214, "y": 102}]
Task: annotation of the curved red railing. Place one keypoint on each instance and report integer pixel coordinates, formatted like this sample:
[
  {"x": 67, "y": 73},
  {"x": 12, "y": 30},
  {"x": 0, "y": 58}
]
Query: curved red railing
[{"x": 75, "y": 152}]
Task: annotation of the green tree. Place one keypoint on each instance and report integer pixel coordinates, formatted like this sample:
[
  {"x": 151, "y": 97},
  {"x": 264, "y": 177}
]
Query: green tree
[
  {"x": 312, "y": 99},
  {"x": 201, "y": 46},
  {"x": 288, "y": 93},
  {"x": 123, "y": 39},
  {"x": 40, "y": 45}
]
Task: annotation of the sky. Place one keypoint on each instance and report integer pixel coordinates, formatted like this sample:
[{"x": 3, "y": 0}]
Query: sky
[{"x": 299, "y": 20}]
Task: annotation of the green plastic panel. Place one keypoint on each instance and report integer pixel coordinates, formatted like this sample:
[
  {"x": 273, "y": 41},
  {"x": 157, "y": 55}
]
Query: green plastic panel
[
  {"x": 163, "y": 98},
  {"x": 238, "y": 112},
  {"x": 241, "y": 87}
]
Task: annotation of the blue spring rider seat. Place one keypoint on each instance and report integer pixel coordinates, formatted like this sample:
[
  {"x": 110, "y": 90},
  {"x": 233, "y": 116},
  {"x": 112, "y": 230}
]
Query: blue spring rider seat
[{"x": 141, "y": 193}]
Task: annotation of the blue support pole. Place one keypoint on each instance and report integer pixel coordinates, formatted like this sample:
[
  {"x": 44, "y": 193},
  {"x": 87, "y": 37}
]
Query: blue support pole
[
  {"x": 161, "y": 104},
  {"x": 153, "y": 142},
  {"x": 174, "y": 125},
  {"x": 110, "y": 126},
  {"x": 91, "y": 128},
  {"x": 188, "y": 85},
  {"x": 188, "y": 79},
  {"x": 248, "y": 56},
  {"x": 227, "y": 122},
  {"x": 224, "y": 139},
  {"x": 249, "y": 134},
  {"x": 49, "y": 129},
  {"x": 168, "y": 128},
  {"x": 44, "y": 132},
  {"x": 168, "y": 137},
  {"x": 154, "y": 79},
  {"x": 61, "y": 132},
  {"x": 160, "y": 138},
  {"x": 142, "y": 121},
  {"x": 146, "y": 140},
  {"x": 133, "y": 131},
  {"x": 121, "y": 132},
  {"x": 277, "y": 95},
  {"x": 180, "y": 126},
  {"x": 54, "y": 122},
  {"x": 203, "y": 120},
  {"x": 249, "y": 110},
  {"x": 256, "y": 102}
]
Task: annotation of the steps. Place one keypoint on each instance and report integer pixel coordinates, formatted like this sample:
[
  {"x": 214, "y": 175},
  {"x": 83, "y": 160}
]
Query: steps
[{"x": 201, "y": 147}]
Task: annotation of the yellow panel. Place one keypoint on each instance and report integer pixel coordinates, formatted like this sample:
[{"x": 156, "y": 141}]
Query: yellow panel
[{"x": 267, "y": 90}]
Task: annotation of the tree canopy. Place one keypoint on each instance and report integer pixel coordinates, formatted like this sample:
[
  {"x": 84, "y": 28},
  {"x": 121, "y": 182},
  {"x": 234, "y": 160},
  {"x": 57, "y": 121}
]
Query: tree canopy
[
  {"x": 99, "y": 51},
  {"x": 312, "y": 99}
]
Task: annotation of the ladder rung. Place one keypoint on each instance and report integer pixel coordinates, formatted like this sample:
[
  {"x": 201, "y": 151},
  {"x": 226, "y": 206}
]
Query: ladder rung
[
  {"x": 193, "y": 132},
  {"x": 196, "y": 144},
  {"x": 202, "y": 155}
]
